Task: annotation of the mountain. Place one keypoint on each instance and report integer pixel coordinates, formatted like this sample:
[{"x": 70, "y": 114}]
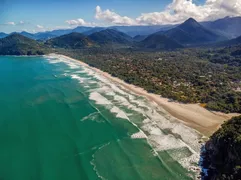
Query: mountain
[
  {"x": 17, "y": 44},
  {"x": 111, "y": 36},
  {"x": 129, "y": 30},
  {"x": 142, "y": 30},
  {"x": 37, "y": 36},
  {"x": 44, "y": 36},
  {"x": 159, "y": 42},
  {"x": 94, "y": 30},
  {"x": 3, "y": 35},
  {"x": 73, "y": 41},
  {"x": 232, "y": 42},
  {"x": 139, "y": 38},
  {"x": 236, "y": 41},
  {"x": 191, "y": 33},
  {"x": 228, "y": 26},
  {"x": 222, "y": 154},
  {"x": 56, "y": 33},
  {"x": 28, "y": 35},
  {"x": 59, "y": 32},
  {"x": 82, "y": 29}
]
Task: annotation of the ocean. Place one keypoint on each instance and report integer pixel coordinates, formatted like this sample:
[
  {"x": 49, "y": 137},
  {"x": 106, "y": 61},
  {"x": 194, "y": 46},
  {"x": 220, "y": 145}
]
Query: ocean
[{"x": 64, "y": 121}]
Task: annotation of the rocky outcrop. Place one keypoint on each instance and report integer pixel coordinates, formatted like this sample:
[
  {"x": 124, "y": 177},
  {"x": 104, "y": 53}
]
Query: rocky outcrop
[{"x": 222, "y": 153}]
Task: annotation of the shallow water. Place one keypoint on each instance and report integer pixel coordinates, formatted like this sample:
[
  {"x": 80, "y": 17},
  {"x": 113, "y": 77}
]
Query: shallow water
[{"x": 60, "y": 120}]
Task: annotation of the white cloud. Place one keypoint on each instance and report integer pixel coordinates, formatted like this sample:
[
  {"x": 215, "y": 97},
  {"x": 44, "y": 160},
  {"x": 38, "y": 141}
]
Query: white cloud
[
  {"x": 180, "y": 10},
  {"x": 21, "y": 22},
  {"x": 10, "y": 23},
  {"x": 79, "y": 22},
  {"x": 13, "y": 23},
  {"x": 176, "y": 12},
  {"x": 39, "y": 27},
  {"x": 112, "y": 17}
]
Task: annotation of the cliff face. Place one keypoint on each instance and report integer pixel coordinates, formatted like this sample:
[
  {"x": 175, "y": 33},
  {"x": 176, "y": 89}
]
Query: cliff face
[{"x": 222, "y": 155}]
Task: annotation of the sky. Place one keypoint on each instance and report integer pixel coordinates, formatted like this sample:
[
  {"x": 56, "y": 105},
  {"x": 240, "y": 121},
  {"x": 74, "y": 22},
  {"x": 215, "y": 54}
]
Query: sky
[{"x": 46, "y": 15}]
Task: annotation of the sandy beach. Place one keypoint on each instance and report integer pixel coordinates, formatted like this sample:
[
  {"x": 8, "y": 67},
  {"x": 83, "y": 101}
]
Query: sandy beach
[{"x": 192, "y": 115}]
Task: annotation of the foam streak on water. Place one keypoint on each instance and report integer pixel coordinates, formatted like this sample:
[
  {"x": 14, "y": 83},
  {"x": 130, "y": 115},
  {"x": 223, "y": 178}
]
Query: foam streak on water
[{"x": 162, "y": 131}]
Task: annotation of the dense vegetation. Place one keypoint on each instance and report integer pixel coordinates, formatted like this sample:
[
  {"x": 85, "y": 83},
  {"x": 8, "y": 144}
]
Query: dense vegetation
[
  {"x": 211, "y": 77},
  {"x": 17, "y": 44},
  {"x": 222, "y": 155},
  {"x": 159, "y": 42},
  {"x": 189, "y": 76},
  {"x": 71, "y": 41},
  {"x": 110, "y": 36}
]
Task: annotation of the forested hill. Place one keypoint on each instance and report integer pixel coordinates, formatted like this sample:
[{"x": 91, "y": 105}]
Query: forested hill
[
  {"x": 71, "y": 41},
  {"x": 222, "y": 157},
  {"x": 191, "y": 32},
  {"x": 159, "y": 42},
  {"x": 110, "y": 37},
  {"x": 16, "y": 44}
]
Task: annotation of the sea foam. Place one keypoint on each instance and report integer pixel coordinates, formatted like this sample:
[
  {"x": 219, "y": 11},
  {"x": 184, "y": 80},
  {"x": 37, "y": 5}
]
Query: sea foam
[
  {"x": 99, "y": 99},
  {"x": 120, "y": 113},
  {"x": 162, "y": 131}
]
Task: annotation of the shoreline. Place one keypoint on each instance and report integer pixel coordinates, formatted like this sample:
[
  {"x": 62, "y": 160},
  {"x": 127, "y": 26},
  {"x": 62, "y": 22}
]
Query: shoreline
[{"x": 192, "y": 115}]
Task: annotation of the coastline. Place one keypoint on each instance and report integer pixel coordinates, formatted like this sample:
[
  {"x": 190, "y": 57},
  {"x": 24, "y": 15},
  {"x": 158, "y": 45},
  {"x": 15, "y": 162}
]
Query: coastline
[{"x": 193, "y": 115}]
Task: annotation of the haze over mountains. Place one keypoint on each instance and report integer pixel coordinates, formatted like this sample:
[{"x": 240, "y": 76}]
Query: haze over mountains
[
  {"x": 228, "y": 27},
  {"x": 186, "y": 34},
  {"x": 3, "y": 35},
  {"x": 189, "y": 33}
]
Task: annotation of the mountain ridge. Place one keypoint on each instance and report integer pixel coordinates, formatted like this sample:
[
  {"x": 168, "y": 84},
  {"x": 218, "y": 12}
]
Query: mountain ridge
[
  {"x": 17, "y": 44},
  {"x": 228, "y": 26},
  {"x": 191, "y": 32},
  {"x": 73, "y": 40},
  {"x": 159, "y": 42},
  {"x": 111, "y": 36}
]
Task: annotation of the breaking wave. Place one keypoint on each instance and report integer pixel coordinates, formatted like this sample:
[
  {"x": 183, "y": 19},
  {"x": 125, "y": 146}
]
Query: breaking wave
[{"x": 162, "y": 131}]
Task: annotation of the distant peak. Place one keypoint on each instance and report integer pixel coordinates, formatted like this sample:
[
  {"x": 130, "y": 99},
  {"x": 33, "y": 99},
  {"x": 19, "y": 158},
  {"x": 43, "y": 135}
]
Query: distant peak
[
  {"x": 15, "y": 34},
  {"x": 191, "y": 20},
  {"x": 227, "y": 17}
]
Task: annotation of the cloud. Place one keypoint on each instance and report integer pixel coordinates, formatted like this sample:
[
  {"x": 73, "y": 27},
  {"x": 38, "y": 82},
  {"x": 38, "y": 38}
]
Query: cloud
[
  {"x": 21, "y": 22},
  {"x": 39, "y": 27},
  {"x": 14, "y": 23},
  {"x": 10, "y": 23},
  {"x": 112, "y": 17},
  {"x": 79, "y": 22},
  {"x": 176, "y": 12},
  {"x": 180, "y": 10}
]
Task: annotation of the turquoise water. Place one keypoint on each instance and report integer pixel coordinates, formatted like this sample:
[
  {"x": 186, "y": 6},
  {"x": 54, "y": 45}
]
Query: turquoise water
[{"x": 60, "y": 120}]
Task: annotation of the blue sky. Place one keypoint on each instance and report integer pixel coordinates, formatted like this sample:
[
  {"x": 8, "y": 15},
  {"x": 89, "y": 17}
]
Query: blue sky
[{"x": 41, "y": 15}]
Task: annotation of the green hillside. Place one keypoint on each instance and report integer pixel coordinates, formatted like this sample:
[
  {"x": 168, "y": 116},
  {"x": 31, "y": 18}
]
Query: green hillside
[
  {"x": 71, "y": 41},
  {"x": 16, "y": 44}
]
